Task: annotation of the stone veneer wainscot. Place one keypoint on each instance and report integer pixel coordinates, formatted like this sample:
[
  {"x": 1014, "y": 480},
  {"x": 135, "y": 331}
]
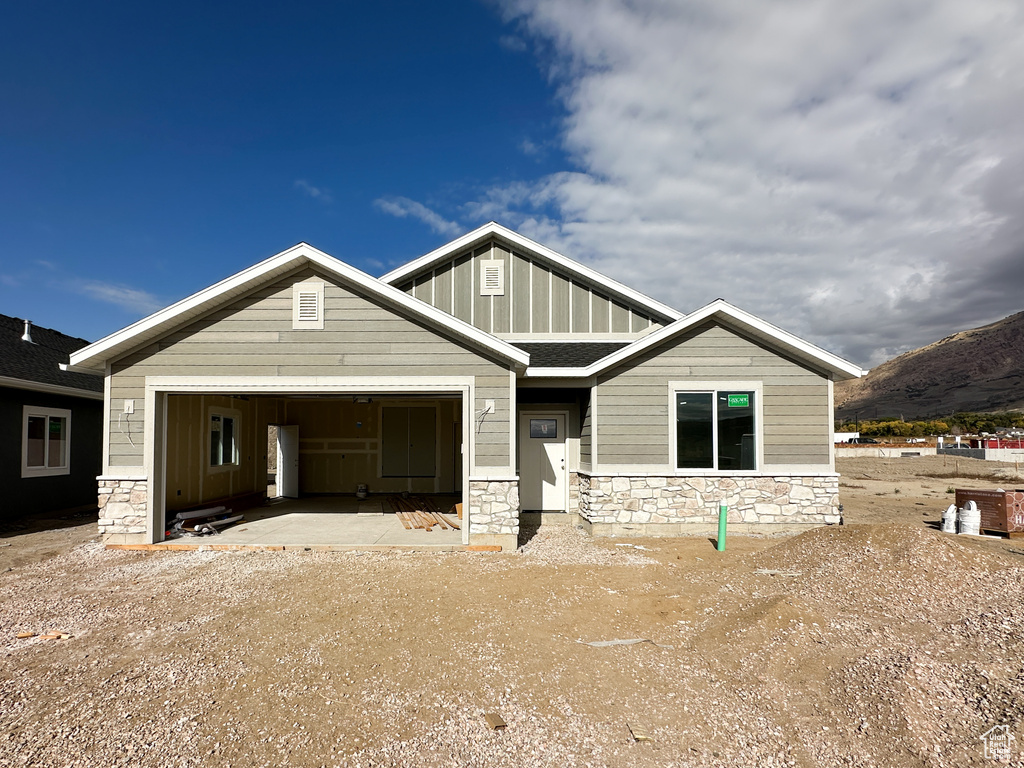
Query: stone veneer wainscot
[{"x": 653, "y": 505}]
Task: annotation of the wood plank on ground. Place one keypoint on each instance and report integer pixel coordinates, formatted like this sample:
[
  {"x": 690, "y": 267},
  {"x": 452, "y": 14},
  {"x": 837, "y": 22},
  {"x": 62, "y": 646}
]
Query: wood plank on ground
[{"x": 447, "y": 520}]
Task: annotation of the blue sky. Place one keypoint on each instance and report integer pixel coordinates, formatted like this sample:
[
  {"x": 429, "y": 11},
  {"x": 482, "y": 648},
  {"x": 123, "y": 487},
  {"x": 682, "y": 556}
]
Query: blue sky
[
  {"x": 851, "y": 172},
  {"x": 148, "y": 151}
]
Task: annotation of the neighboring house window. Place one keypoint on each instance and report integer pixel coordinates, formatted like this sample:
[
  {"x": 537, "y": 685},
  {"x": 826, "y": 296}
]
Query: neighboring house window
[
  {"x": 223, "y": 440},
  {"x": 45, "y": 442},
  {"x": 716, "y": 429}
]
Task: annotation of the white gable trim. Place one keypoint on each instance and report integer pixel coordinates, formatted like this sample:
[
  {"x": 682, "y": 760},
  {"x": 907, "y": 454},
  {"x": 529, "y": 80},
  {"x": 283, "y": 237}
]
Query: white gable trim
[
  {"x": 783, "y": 339},
  {"x": 396, "y": 276},
  {"x": 92, "y": 358}
]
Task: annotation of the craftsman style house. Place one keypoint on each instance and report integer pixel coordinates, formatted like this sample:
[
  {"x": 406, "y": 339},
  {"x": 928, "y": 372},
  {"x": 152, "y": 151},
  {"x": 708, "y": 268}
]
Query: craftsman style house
[
  {"x": 50, "y": 423},
  {"x": 493, "y": 368}
]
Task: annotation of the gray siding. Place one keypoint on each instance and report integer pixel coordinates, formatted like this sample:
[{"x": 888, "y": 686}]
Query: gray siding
[
  {"x": 537, "y": 300},
  {"x": 253, "y": 337},
  {"x": 633, "y": 411},
  {"x": 586, "y": 430}
]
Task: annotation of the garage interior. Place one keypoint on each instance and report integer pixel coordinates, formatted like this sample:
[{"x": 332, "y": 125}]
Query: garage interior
[{"x": 320, "y": 468}]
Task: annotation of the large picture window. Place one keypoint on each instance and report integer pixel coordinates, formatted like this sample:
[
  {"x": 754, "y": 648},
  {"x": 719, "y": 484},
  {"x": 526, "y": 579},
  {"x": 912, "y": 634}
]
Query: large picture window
[
  {"x": 716, "y": 430},
  {"x": 45, "y": 442}
]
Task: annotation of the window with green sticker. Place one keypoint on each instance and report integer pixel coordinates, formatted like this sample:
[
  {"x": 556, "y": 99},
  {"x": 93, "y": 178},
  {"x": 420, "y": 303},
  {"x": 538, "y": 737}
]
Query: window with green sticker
[{"x": 716, "y": 430}]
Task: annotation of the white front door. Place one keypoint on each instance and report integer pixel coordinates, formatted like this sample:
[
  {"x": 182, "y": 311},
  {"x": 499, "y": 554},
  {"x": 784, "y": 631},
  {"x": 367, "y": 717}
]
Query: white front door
[
  {"x": 542, "y": 475},
  {"x": 288, "y": 462}
]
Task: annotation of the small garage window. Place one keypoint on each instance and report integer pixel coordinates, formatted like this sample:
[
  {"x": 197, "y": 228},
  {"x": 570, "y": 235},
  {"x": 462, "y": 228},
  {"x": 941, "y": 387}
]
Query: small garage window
[{"x": 223, "y": 440}]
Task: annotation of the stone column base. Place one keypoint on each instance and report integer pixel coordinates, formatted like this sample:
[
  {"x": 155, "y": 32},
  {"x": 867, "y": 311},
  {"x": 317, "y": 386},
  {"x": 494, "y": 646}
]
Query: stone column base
[
  {"x": 124, "y": 505},
  {"x": 494, "y": 513}
]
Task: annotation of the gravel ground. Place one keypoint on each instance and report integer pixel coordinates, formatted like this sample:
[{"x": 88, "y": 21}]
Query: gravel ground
[{"x": 887, "y": 645}]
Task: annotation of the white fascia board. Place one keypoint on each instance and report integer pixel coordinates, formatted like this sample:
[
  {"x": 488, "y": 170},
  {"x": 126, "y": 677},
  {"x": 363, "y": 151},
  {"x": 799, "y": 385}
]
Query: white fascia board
[
  {"x": 569, "y": 265},
  {"x": 557, "y": 373},
  {"x": 81, "y": 357},
  {"x": 50, "y": 389},
  {"x": 90, "y": 357},
  {"x": 831, "y": 362}
]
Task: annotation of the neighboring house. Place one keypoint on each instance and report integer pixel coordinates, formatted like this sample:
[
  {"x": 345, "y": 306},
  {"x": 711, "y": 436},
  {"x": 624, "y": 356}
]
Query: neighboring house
[
  {"x": 493, "y": 368},
  {"x": 50, "y": 420}
]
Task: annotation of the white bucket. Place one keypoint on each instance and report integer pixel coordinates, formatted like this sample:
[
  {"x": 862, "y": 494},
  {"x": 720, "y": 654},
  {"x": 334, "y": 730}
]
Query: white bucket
[
  {"x": 970, "y": 519},
  {"x": 949, "y": 519},
  {"x": 361, "y": 491}
]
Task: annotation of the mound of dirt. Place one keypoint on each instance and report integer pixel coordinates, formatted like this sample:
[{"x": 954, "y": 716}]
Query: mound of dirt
[{"x": 892, "y": 571}]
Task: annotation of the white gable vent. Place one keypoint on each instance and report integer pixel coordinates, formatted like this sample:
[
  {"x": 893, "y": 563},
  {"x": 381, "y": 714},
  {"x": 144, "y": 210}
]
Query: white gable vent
[
  {"x": 492, "y": 277},
  {"x": 308, "y": 306}
]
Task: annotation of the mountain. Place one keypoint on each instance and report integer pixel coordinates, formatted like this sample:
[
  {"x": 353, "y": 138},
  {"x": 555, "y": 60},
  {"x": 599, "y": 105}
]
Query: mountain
[{"x": 980, "y": 370}]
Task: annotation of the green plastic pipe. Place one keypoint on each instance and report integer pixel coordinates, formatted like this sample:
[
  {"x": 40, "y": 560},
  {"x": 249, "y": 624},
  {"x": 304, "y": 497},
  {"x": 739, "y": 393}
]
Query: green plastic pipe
[{"x": 723, "y": 513}]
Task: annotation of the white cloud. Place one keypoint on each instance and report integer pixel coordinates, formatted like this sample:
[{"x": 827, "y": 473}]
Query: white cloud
[
  {"x": 126, "y": 297},
  {"x": 853, "y": 172},
  {"x": 317, "y": 193},
  {"x": 512, "y": 43},
  {"x": 403, "y": 207}
]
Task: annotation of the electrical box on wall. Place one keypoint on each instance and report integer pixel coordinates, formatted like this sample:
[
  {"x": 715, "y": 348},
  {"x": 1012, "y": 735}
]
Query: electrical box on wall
[{"x": 129, "y": 406}]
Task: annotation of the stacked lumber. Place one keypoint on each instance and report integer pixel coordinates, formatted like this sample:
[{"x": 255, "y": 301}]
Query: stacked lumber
[
  {"x": 202, "y": 522},
  {"x": 420, "y": 513}
]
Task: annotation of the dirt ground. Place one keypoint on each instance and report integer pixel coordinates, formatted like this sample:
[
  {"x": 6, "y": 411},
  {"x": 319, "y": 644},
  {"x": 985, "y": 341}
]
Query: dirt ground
[{"x": 879, "y": 642}]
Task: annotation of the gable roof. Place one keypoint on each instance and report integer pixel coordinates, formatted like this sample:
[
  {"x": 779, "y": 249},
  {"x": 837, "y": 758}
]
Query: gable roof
[
  {"x": 518, "y": 242},
  {"x": 773, "y": 337},
  {"x": 35, "y": 365},
  {"x": 94, "y": 357}
]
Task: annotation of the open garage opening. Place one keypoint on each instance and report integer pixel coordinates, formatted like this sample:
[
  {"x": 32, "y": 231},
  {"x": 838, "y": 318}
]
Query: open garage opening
[{"x": 312, "y": 463}]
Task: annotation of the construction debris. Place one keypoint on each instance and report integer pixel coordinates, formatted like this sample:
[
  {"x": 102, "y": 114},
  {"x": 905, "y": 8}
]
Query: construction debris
[
  {"x": 419, "y": 512},
  {"x": 202, "y": 522},
  {"x": 55, "y": 634},
  {"x": 638, "y": 732},
  {"x": 494, "y": 721},
  {"x": 633, "y": 641},
  {"x": 25, "y": 635},
  {"x": 773, "y": 572}
]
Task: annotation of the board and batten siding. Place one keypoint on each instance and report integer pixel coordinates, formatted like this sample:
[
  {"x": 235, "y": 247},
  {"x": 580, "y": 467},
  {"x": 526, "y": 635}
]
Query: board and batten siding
[
  {"x": 632, "y": 400},
  {"x": 538, "y": 298},
  {"x": 253, "y": 336}
]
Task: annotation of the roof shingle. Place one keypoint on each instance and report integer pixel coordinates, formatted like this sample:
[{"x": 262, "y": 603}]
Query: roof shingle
[
  {"x": 39, "y": 361},
  {"x": 568, "y": 354}
]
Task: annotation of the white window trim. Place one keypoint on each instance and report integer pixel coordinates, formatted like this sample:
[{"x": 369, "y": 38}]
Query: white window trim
[
  {"x": 757, "y": 387},
  {"x": 236, "y": 416},
  {"x": 312, "y": 286},
  {"x": 26, "y": 470}
]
